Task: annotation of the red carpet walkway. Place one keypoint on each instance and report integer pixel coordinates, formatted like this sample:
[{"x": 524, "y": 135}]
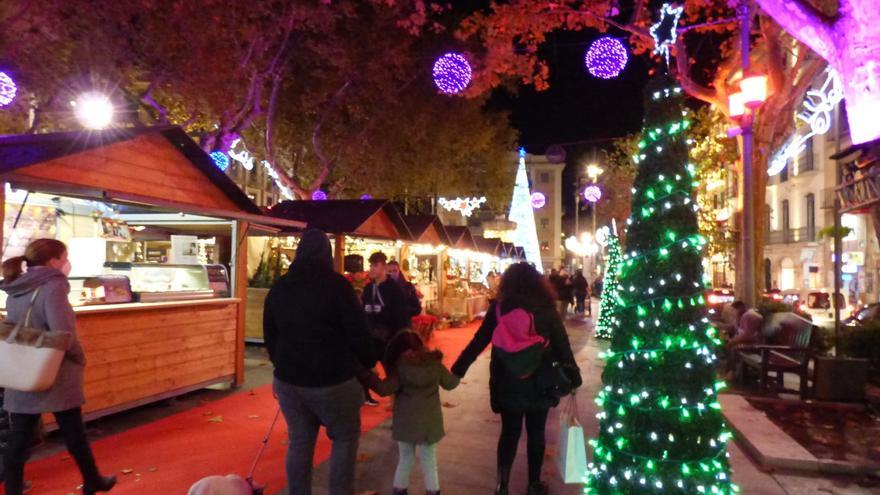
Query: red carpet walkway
[{"x": 219, "y": 437}]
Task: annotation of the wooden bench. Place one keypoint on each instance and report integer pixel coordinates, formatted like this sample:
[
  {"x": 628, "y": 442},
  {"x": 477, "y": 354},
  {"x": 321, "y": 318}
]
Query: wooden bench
[{"x": 787, "y": 349}]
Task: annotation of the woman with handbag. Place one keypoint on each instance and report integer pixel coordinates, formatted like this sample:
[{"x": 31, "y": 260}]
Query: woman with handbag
[
  {"x": 38, "y": 299},
  {"x": 531, "y": 366}
]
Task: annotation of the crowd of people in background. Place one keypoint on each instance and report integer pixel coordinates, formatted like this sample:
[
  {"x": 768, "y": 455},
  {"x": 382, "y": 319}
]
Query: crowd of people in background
[{"x": 573, "y": 291}]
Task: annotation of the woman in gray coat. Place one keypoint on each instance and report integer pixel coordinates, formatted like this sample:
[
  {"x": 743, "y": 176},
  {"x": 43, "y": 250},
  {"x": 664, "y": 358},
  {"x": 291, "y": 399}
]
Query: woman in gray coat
[{"x": 44, "y": 285}]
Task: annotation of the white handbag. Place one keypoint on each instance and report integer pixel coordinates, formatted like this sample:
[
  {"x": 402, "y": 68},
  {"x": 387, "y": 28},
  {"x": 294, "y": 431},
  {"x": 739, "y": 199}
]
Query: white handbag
[
  {"x": 30, "y": 357},
  {"x": 572, "y": 452}
]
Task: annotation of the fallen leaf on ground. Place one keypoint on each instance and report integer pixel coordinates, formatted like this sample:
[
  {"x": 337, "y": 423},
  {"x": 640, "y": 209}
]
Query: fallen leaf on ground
[
  {"x": 127, "y": 471},
  {"x": 364, "y": 458},
  {"x": 152, "y": 469},
  {"x": 550, "y": 453},
  {"x": 216, "y": 419},
  {"x": 253, "y": 416},
  {"x": 207, "y": 413},
  {"x": 449, "y": 405}
]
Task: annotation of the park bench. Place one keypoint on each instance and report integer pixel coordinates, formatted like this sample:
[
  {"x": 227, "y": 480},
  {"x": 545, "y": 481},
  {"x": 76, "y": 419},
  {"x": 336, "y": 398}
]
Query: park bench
[{"x": 787, "y": 349}]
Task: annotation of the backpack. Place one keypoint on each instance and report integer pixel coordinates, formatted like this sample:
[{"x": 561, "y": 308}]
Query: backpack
[{"x": 517, "y": 345}]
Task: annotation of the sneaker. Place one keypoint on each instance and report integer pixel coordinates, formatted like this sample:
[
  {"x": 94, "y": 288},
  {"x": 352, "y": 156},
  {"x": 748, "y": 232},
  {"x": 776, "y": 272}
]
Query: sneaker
[
  {"x": 539, "y": 488},
  {"x": 371, "y": 402}
]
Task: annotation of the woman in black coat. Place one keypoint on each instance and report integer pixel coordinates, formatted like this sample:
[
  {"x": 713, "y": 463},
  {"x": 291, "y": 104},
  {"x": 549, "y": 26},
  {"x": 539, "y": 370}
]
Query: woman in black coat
[{"x": 519, "y": 399}]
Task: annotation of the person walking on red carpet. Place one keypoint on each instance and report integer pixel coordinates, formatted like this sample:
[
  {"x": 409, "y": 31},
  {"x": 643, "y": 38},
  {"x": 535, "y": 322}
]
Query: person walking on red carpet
[
  {"x": 41, "y": 294},
  {"x": 416, "y": 375},
  {"x": 318, "y": 341}
]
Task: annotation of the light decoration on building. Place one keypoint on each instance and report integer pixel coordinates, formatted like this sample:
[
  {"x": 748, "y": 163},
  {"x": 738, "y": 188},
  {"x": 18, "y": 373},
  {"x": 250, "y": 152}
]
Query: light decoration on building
[
  {"x": 849, "y": 43},
  {"x": 606, "y": 58},
  {"x": 8, "y": 89},
  {"x": 538, "y": 200},
  {"x": 819, "y": 105},
  {"x": 319, "y": 195},
  {"x": 244, "y": 158},
  {"x": 465, "y": 206},
  {"x": 452, "y": 73},
  {"x": 592, "y": 193},
  {"x": 220, "y": 159},
  {"x": 521, "y": 212},
  {"x": 665, "y": 31}
]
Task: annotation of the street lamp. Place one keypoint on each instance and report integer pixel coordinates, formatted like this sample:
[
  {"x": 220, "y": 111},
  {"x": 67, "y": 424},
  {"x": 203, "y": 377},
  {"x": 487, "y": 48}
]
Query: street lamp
[
  {"x": 93, "y": 110},
  {"x": 594, "y": 171}
]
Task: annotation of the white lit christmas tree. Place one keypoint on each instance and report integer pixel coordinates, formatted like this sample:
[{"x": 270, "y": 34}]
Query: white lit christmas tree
[
  {"x": 661, "y": 428},
  {"x": 521, "y": 212},
  {"x": 610, "y": 290}
]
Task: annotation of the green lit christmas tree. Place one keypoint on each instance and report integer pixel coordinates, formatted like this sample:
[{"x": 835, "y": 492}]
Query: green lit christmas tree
[
  {"x": 661, "y": 428},
  {"x": 610, "y": 290}
]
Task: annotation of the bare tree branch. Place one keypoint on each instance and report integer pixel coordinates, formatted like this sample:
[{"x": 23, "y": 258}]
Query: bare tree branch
[
  {"x": 147, "y": 99},
  {"x": 13, "y": 19},
  {"x": 326, "y": 165},
  {"x": 690, "y": 86}
]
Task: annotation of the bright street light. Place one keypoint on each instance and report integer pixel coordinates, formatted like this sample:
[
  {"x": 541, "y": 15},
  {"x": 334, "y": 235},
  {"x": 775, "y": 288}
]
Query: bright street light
[
  {"x": 594, "y": 171},
  {"x": 93, "y": 110}
]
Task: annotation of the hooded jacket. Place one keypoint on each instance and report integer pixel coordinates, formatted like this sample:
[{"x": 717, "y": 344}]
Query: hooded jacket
[
  {"x": 509, "y": 393},
  {"x": 416, "y": 383},
  {"x": 313, "y": 324},
  {"x": 52, "y": 311}
]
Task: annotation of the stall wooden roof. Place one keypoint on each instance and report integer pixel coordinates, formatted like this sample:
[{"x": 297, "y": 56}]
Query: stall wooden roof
[
  {"x": 520, "y": 253},
  {"x": 427, "y": 229},
  {"x": 377, "y": 218},
  {"x": 489, "y": 246},
  {"x": 509, "y": 249},
  {"x": 461, "y": 237},
  {"x": 158, "y": 166}
]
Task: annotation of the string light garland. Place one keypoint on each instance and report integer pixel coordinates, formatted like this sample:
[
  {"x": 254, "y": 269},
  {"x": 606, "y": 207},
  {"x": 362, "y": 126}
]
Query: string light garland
[
  {"x": 452, "y": 73},
  {"x": 220, "y": 159},
  {"x": 610, "y": 290},
  {"x": 244, "y": 158},
  {"x": 606, "y": 58},
  {"x": 8, "y": 89},
  {"x": 465, "y": 206},
  {"x": 660, "y": 424}
]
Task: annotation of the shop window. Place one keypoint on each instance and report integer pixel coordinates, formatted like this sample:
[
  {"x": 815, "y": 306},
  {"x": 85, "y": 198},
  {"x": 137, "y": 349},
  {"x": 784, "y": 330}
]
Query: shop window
[
  {"x": 544, "y": 177},
  {"x": 545, "y": 223},
  {"x": 807, "y": 163},
  {"x": 811, "y": 217}
]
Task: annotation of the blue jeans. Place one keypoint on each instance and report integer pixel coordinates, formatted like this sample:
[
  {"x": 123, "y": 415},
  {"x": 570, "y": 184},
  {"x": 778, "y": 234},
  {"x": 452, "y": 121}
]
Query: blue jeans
[{"x": 306, "y": 409}]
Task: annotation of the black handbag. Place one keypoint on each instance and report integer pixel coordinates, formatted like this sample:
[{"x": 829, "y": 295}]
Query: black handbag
[{"x": 553, "y": 377}]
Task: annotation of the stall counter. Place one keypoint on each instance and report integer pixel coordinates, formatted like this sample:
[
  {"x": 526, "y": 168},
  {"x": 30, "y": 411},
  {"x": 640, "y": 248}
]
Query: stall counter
[{"x": 139, "y": 353}]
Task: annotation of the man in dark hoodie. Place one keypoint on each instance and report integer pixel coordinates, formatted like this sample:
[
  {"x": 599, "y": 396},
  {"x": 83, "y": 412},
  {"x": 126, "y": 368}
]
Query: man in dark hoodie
[
  {"x": 386, "y": 308},
  {"x": 318, "y": 340}
]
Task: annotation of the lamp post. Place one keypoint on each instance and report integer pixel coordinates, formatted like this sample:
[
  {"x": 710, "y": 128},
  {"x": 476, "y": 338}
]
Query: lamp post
[
  {"x": 93, "y": 110},
  {"x": 743, "y": 105},
  {"x": 593, "y": 194}
]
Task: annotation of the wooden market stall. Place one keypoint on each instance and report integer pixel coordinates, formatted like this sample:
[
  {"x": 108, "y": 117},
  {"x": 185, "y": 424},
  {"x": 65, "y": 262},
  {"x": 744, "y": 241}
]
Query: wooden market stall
[
  {"x": 464, "y": 294},
  {"x": 156, "y": 317},
  {"x": 421, "y": 259}
]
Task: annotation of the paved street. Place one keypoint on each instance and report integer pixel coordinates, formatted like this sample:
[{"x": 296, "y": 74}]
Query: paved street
[{"x": 467, "y": 454}]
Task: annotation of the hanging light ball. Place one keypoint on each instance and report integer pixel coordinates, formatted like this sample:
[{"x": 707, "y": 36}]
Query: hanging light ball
[
  {"x": 592, "y": 193},
  {"x": 8, "y": 89},
  {"x": 319, "y": 195},
  {"x": 606, "y": 58},
  {"x": 366, "y": 197},
  {"x": 452, "y": 73},
  {"x": 538, "y": 200},
  {"x": 220, "y": 159}
]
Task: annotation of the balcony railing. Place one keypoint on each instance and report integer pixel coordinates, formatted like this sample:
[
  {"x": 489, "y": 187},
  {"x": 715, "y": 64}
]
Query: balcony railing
[{"x": 791, "y": 236}]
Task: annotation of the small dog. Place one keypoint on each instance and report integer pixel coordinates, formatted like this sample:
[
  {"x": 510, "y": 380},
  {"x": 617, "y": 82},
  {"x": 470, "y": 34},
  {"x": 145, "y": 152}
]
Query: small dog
[{"x": 224, "y": 485}]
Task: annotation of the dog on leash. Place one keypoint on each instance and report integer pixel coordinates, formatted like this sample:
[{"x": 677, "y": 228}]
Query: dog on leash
[{"x": 224, "y": 485}]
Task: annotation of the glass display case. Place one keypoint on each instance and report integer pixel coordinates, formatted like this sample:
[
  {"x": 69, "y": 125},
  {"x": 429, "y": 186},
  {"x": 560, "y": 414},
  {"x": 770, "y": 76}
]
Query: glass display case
[{"x": 156, "y": 282}]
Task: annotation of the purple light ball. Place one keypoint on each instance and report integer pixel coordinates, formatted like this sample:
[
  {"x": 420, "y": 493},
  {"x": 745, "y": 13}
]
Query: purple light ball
[
  {"x": 366, "y": 197},
  {"x": 452, "y": 73},
  {"x": 606, "y": 58},
  {"x": 592, "y": 194},
  {"x": 319, "y": 195},
  {"x": 538, "y": 200},
  {"x": 8, "y": 89}
]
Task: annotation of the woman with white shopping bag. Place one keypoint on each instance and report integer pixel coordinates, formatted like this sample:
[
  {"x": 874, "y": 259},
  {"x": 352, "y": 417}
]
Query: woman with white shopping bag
[
  {"x": 38, "y": 304},
  {"x": 531, "y": 367}
]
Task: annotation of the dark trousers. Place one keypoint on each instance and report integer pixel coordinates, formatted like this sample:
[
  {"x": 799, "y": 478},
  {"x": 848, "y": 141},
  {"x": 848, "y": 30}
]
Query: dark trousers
[
  {"x": 381, "y": 346},
  {"x": 580, "y": 306},
  {"x": 511, "y": 430},
  {"x": 338, "y": 409},
  {"x": 73, "y": 430}
]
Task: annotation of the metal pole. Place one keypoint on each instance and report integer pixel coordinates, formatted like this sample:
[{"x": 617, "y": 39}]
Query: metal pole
[
  {"x": 838, "y": 251},
  {"x": 595, "y": 257},
  {"x": 748, "y": 229}
]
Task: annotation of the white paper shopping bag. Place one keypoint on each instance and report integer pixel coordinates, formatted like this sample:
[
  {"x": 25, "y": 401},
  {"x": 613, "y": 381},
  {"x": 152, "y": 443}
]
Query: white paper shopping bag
[{"x": 572, "y": 451}]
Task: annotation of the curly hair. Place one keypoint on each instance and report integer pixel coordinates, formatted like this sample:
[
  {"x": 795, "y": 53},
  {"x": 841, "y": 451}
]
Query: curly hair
[{"x": 523, "y": 286}]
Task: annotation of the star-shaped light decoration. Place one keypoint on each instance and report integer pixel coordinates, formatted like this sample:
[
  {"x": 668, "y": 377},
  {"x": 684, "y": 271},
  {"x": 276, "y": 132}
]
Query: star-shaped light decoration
[{"x": 665, "y": 31}]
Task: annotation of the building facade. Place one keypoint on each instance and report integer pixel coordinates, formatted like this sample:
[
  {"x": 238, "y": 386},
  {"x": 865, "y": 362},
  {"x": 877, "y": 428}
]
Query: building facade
[{"x": 546, "y": 178}]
